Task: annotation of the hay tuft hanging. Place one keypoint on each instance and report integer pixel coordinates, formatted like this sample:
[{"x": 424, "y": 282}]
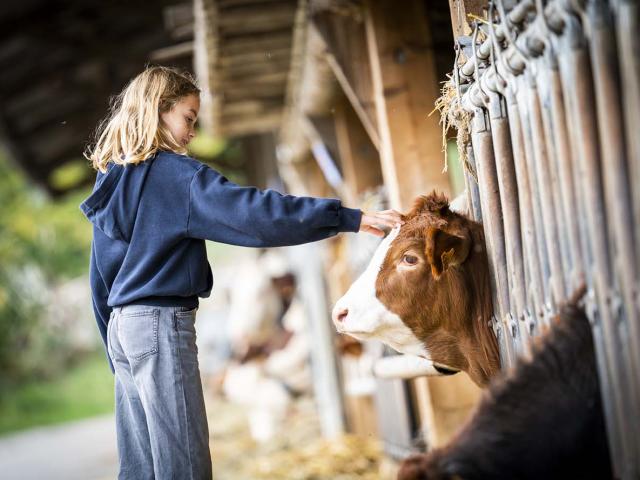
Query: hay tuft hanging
[{"x": 453, "y": 115}]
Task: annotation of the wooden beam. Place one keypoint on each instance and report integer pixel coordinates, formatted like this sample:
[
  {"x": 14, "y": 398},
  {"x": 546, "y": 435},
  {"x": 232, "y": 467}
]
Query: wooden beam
[
  {"x": 256, "y": 20},
  {"x": 405, "y": 85},
  {"x": 183, "y": 49},
  {"x": 233, "y": 126},
  {"x": 255, "y": 78},
  {"x": 253, "y": 70},
  {"x": 252, "y": 107},
  {"x": 358, "y": 157},
  {"x": 347, "y": 56},
  {"x": 261, "y": 162},
  {"x": 263, "y": 41},
  {"x": 205, "y": 54},
  {"x": 241, "y": 60},
  {"x": 236, "y": 92},
  {"x": 367, "y": 123},
  {"x": 229, "y": 4},
  {"x": 460, "y": 11}
]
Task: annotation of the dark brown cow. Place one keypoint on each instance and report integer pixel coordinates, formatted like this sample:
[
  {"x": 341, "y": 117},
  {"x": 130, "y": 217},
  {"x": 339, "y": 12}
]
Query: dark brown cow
[
  {"x": 542, "y": 421},
  {"x": 427, "y": 292}
]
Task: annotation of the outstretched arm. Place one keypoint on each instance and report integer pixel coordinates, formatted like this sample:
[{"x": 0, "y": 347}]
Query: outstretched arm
[{"x": 222, "y": 211}]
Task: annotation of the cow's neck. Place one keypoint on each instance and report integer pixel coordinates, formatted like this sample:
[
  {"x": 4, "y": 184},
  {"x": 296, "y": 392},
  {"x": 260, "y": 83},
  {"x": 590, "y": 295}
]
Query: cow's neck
[
  {"x": 466, "y": 341},
  {"x": 484, "y": 361}
]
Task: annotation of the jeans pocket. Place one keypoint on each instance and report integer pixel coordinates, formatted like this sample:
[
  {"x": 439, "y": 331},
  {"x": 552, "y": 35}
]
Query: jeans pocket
[
  {"x": 109, "y": 328},
  {"x": 185, "y": 320},
  {"x": 138, "y": 332}
]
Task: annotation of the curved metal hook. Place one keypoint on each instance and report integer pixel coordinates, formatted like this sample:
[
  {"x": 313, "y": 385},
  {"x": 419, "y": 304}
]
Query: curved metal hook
[
  {"x": 546, "y": 29},
  {"x": 456, "y": 72},
  {"x": 476, "y": 69},
  {"x": 507, "y": 31},
  {"x": 495, "y": 46}
]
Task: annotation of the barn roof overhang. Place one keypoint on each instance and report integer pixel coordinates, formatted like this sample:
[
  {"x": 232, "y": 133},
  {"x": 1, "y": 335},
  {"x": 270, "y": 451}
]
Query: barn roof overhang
[
  {"x": 61, "y": 61},
  {"x": 243, "y": 59}
]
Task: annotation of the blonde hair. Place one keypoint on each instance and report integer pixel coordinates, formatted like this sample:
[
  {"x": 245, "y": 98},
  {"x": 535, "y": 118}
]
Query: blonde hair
[{"x": 133, "y": 131}]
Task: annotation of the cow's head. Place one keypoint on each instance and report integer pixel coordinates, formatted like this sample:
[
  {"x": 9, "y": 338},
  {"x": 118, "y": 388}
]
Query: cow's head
[{"x": 426, "y": 292}]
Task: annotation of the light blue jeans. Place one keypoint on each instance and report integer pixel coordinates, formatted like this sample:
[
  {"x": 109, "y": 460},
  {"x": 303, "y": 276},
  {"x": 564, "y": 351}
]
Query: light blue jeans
[{"x": 161, "y": 422}]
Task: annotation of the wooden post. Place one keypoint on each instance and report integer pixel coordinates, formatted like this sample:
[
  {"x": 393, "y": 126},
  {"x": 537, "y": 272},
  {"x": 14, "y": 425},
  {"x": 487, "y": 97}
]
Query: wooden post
[
  {"x": 405, "y": 86},
  {"x": 358, "y": 157},
  {"x": 205, "y": 52},
  {"x": 261, "y": 163},
  {"x": 347, "y": 56},
  {"x": 460, "y": 11}
]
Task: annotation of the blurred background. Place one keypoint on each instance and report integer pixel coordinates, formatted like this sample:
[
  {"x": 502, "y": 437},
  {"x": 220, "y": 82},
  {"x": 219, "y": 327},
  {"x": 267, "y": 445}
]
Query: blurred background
[{"x": 288, "y": 102}]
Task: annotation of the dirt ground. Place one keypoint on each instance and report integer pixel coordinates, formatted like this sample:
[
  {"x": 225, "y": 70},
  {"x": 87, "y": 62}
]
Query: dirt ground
[{"x": 298, "y": 452}]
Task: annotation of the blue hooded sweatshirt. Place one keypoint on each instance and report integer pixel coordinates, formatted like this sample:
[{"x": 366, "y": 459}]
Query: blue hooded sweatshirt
[{"x": 151, "y": 220}]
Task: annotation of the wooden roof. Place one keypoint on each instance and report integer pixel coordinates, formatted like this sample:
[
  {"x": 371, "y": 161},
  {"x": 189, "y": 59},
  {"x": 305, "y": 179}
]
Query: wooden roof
[
  {"x": 249, "y": 47},
  {"x": 60, "y": 62}
]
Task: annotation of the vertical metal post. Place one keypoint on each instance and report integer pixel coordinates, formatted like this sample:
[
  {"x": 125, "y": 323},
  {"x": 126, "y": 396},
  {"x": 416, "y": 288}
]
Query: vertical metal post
[
  {"x": 627, "y": 17},
  {"x": 541, "y": 178},
  {"x": 535, "y": 289},
  {"x": 556, "y": 231},
  {"x": 307, "y": 262},
  {"x": 505, "y": 170},
  {"x": 579, "y": 94},
  {"x": 523, "y": 87},
  {"x": 493, "y": 227},
  {"x": 618, "y": 197},
  {"x": 565, "y": 166}
]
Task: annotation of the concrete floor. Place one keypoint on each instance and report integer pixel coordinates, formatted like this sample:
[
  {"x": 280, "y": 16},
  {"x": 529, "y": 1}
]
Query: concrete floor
[{"x": 83, "y": 450}]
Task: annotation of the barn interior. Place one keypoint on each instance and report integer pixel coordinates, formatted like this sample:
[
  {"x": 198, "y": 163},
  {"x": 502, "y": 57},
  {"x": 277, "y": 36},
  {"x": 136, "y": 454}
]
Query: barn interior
[{"x": 337, "y": 98}]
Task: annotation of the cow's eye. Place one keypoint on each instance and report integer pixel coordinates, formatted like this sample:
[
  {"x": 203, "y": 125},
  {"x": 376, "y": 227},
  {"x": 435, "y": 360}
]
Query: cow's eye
[{"x": 410, "y": 259}]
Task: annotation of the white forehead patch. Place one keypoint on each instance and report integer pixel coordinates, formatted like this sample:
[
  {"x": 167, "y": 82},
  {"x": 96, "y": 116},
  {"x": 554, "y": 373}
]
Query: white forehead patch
[{"x": 381, "y": 253}]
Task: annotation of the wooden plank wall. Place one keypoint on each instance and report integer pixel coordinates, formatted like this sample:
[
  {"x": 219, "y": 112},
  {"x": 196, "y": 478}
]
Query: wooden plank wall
[{"x": 383, "y": 58}]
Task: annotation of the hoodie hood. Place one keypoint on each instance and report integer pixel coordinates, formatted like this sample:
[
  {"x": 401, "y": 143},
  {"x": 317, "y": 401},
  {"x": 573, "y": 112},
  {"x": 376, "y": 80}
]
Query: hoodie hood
[{"x": 113, "y": 205}]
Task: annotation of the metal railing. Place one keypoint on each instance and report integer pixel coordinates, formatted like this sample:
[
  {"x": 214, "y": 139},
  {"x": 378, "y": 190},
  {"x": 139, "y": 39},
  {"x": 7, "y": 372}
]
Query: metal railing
[{"x": 553, "y": 173}]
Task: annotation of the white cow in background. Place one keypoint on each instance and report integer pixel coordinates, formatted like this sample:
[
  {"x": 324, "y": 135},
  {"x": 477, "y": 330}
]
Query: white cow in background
[
  {"x": 255, "y": 304},
  {"x": 273, "y": 349}
]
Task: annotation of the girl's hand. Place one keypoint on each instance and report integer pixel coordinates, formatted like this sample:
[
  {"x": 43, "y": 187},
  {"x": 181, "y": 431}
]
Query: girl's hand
[{"x": 387, "y": 218}]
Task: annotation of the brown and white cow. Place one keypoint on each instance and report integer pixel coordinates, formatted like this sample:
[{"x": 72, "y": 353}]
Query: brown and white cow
[{"x": 427, "y": 292}]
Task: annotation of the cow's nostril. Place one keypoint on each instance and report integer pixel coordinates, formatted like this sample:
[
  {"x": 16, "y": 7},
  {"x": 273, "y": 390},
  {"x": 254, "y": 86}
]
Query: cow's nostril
[{"x": 342, "y": 314}]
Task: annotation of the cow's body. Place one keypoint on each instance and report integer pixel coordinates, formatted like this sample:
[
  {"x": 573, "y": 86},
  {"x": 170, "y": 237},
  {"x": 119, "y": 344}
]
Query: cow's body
[{"x": 544, "y": 420}]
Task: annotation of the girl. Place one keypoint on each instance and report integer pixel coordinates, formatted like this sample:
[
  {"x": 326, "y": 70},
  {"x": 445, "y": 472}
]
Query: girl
[{"x": 152, "y": 208}]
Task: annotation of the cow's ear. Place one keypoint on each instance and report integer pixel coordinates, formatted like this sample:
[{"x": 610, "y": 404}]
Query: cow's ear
[{"x": 444, "y": 250}]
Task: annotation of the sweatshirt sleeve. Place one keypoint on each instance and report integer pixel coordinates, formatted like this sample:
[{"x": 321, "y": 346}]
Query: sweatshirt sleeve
[
  {"x": 99, "y": 296},
  {"x": 222, "y": 211}
]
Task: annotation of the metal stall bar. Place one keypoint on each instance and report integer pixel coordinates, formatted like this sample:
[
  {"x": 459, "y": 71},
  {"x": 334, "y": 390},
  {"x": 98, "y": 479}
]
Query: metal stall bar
[
  {"x": 532, "y": 289},
  {"x": 553, "y": 116},
  {"x": 617, "y": 194},
  {"x": 535, "y": 296},
  {"x": 481, "y": 139},
  {"x": 627, "y": 17},
  {"x": 578, "y": 93},
  {"x": 515, "y": 60},
  {"x": 568, "y": 96},
  {"x": 538, "y": 164},
  {"x": 503, "y": 154},
  {"x": 545, "y": 195},
  {"x": 523, "y": 88},
  {"x": 574, "y": 278},
  {"x": 557, "y": 238}
]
